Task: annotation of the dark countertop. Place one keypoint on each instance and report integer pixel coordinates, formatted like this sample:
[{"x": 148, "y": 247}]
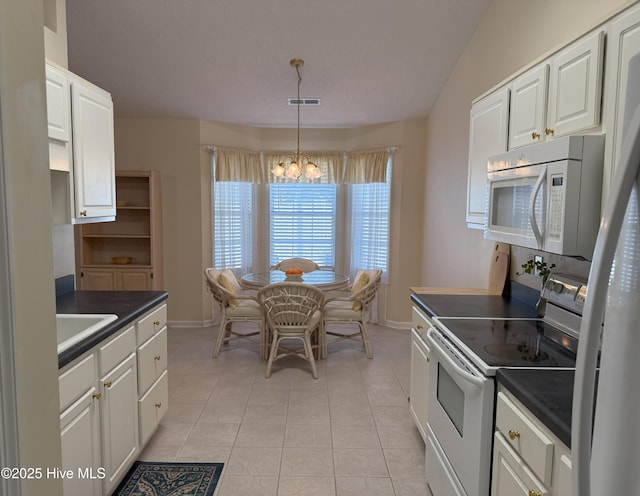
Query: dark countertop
[
  {"x": 127, "y": 305},
  {"x": 548, "y": 394},
  {"x": 520, "y": 304}
]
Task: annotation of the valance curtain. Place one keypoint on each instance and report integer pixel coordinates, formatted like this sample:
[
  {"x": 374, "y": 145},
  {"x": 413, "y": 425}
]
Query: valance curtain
[
  {"x": 239, "y": 166},
  {"x": 337, "y": 167},
  {"x": 366, "y": 167}
]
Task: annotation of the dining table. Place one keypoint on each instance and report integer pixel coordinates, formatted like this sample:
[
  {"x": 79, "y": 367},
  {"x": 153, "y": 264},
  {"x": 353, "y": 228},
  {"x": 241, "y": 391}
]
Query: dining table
[{"x": 325, "y": 280}]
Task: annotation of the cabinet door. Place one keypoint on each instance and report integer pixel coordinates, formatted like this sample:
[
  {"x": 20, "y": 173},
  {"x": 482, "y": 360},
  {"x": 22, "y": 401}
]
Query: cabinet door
[
  {"x": 575, "y": 87},
  {"x": 528, "y": 108},
  {"x": 134, "y": 279},
  {"x": 80, "y": 438},
  {"x": 93, "y": 151},
  {"x": 98, "y": 279},
  {"x": 419, "y": 383},
  {"x": 487, "y": 137},
  {"x": 511, "y": 476},
  {"x": 622, "y": 95},
  {"x": 119, "y": 414},
  {"x": 152, "y": 360},
  {"x": 153, "y": 405},
  {"x": 58, "y": 104}
]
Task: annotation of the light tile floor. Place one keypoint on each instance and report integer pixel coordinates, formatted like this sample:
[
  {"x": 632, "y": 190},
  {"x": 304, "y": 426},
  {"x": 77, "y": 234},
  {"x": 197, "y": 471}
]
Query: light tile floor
[{"x": 348, "y": 433}]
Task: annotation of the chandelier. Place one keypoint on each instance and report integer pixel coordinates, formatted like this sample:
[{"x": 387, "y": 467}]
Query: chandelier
[{"x": 295, "y": 167}]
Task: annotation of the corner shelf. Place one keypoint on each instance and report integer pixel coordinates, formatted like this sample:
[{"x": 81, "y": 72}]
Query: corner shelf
[{"x": 136, "y": 232}]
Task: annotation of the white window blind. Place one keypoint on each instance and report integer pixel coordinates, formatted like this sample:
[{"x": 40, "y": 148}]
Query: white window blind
[
  {"x": 303, "y": 222},
  {"x": 232, "y": 225},
  {"x": 370, "y": 224}
]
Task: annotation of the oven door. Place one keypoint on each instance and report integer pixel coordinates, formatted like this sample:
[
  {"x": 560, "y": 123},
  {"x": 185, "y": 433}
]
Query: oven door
[
  {"x": 516, "y": 204},
  {"x": 460, "y": 417}
]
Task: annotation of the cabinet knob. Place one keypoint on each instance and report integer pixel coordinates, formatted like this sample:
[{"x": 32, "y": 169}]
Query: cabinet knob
[
  {"x": 97, "y": 396},
  {"x": 157, "y": 323},
  {"x": 534, "y": 493},
  {"x": 428, "y": 359},
  {"x": 107, "y": 384},
  {"x": 548, "y": 131},
  {"x": 419, "y": 327},
  {"x": 535, "y": 135},
  {"x": 83, "y": 213},
  {"x": 157, "y": 357},
  {"x": 513, "y": 434},
  {"x": 158, "y": 405}
]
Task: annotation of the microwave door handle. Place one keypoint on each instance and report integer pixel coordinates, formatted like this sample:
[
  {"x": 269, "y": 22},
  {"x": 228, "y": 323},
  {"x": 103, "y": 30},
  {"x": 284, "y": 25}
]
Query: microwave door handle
[
  {"x": 476, "y": 381},
  {"x": 532, "y": 206}
]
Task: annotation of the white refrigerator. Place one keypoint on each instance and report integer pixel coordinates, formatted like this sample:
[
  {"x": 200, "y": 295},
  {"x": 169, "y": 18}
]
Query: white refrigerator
[{"x": 605, "y": 440}]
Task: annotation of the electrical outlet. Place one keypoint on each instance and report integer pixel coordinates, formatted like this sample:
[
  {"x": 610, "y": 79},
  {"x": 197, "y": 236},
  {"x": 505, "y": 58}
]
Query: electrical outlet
[{"x": 538, "y": 260}]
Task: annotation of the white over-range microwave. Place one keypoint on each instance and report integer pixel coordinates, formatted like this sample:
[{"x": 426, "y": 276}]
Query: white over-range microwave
[{"x": 547, "y": 196}]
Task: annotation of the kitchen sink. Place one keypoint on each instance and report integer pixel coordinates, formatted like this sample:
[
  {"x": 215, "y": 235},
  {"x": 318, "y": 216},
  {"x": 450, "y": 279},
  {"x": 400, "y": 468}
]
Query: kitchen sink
[{"x": 72, "y": 328}]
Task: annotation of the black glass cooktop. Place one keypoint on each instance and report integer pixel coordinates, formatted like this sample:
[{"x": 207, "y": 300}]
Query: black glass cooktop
[{"x": 513, "y": 343}]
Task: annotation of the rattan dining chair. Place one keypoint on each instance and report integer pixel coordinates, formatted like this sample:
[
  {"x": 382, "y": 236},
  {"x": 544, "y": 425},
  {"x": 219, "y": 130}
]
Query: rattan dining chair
[
  {"x": 236, "y": 305},
  {"x": 304, "y": 264},
  {"x": 342, "y": 307},
  {"x": 292, "y": 312}
]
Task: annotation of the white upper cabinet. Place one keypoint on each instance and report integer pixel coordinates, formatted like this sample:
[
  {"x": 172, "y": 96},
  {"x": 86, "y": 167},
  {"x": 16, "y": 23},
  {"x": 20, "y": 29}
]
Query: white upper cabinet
[
  {"x": 93, "y": 151},
  {"x": 58, "y": 106},
  {"x": 487, "y": 137},
  {"x": 528, "y": 112},
  {"x": 623, "y": 45},
  {"x": 575, "y": 87},
  {"x": 560, "y": 96},
  {"x": 81, "y": 149}
]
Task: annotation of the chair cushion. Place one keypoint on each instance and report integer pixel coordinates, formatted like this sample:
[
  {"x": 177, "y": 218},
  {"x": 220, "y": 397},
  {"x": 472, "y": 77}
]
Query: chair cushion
[
  {"x": 360, "y": 281},
  {"x": 245, "y": 308},
  {"x": 228, "y": 281},
  {"x": 340, "y": 310}
]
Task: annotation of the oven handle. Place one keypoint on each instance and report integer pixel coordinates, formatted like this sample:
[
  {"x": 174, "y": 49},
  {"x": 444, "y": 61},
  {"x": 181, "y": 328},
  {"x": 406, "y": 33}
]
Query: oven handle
[
  {"x": 476, "y": 381},
  {"x": 532, "y": 206}
]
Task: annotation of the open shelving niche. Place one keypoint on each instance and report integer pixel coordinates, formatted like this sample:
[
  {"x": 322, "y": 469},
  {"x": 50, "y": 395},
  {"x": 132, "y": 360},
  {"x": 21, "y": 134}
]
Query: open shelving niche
[{"x": 136, "y": 233}]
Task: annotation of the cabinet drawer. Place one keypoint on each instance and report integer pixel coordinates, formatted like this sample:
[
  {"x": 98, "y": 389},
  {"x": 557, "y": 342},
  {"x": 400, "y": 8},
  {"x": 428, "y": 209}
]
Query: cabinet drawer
[
  {"x": 151, "y": 323},
  {"x": 152, "y": 360},
  {"x": 511, "y": 475},
  {"x": 152, "y": 407},
  {"x": 116, "y": 350},
  {"x": 74, "y": 382},
  {"x": 525, "y": 437},
  {"x": 420, "y": 322}
]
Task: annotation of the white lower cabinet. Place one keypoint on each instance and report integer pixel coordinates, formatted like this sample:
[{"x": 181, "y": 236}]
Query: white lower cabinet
[
  {"x": 119, "y": 415},
  {"x": 153, "y": 406},
  {"x": 112, "y": 399},
  {"x": 528, "y": 459},
  {"x": 419, "y": 379},
  {"x": 80, "y": 428}
]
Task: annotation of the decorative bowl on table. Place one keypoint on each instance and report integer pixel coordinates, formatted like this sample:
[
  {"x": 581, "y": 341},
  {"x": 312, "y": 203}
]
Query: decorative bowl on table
[
  {"x": 121, "y": 260},
  {"x": 293, "y": 275}
]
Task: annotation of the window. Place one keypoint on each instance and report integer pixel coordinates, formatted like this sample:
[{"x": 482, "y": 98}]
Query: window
[
  {"x": 303, "y": 222},
  {"x": 232, "y": 225},
  {"x": 370, "y": 224}
]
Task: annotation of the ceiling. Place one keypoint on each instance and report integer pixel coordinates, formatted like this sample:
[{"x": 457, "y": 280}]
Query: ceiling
[{"x": 369, "y": 61}]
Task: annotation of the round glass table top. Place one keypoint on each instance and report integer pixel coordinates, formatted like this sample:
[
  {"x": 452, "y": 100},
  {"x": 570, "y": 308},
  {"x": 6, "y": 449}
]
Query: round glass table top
[{"x": 323, "y": 279}]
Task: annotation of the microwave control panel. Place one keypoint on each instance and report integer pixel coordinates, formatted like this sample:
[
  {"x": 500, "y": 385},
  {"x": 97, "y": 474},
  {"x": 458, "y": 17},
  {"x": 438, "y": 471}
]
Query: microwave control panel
[{"x": 556, "y": 205}]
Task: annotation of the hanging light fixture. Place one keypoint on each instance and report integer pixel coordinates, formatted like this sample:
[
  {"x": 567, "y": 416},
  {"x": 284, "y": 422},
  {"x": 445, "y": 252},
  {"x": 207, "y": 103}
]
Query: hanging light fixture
[{"x": 296, "y": 166}]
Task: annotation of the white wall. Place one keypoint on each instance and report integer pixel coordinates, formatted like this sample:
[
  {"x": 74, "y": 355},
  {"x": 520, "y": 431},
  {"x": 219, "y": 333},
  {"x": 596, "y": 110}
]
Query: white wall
[
  {"x": 513, "y": 34},
  {"x": 28, "y": 224}
]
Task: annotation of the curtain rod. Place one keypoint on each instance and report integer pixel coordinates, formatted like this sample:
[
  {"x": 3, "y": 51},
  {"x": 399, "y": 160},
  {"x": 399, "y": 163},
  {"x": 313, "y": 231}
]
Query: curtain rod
[{"x": 390, "y": 149}]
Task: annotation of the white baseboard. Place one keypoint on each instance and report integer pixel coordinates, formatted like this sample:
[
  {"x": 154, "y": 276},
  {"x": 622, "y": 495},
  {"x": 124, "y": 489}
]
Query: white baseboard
[{"x": 190, "y": 323}]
